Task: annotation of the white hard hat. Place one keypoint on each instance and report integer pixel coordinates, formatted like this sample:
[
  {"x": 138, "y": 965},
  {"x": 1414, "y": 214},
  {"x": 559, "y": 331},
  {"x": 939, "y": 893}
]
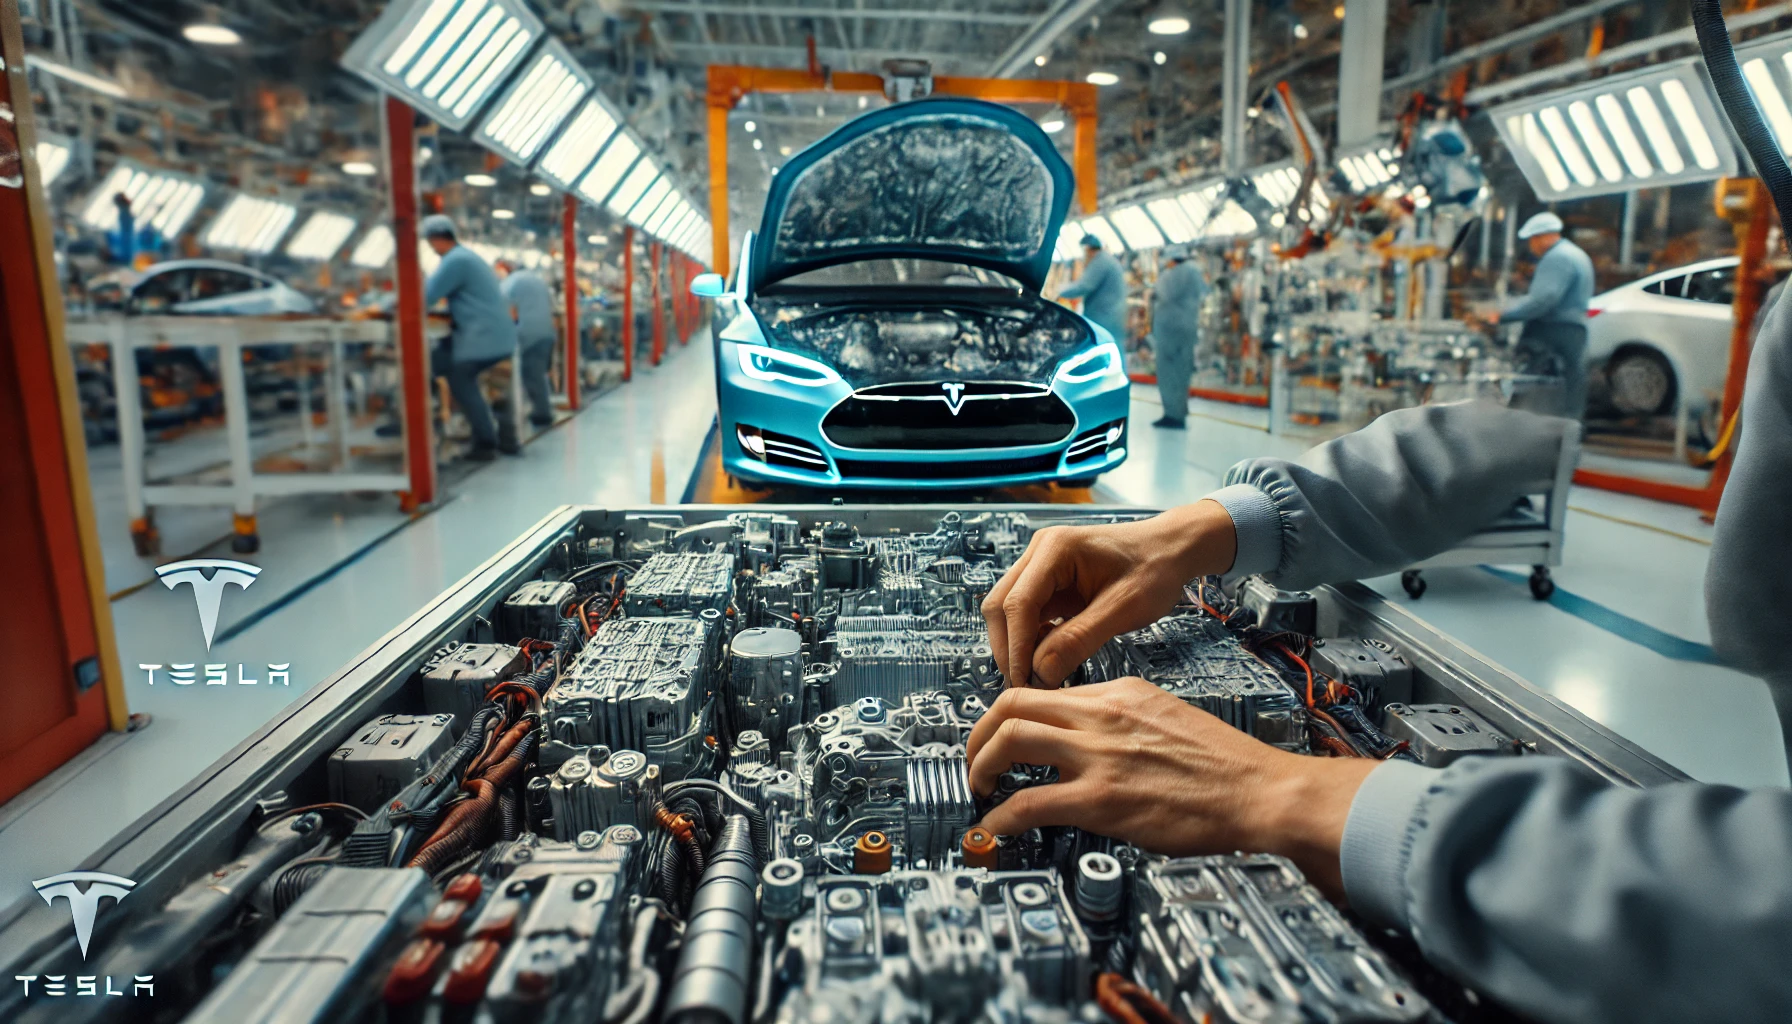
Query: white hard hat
[{"x": 1541, "y": 224}]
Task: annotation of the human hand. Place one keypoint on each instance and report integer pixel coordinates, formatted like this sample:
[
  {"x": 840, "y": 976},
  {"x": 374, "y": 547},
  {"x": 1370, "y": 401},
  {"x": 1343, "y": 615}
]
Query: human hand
[
  {"x": 1137, "y": 764},
  {"x": 1101, "y": 581}
]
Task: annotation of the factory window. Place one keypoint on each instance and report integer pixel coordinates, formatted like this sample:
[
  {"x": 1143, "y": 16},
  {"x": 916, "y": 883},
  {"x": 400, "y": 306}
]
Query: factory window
[
  {"x": 1671, "y": 287},
  {"x": 161, "y": 292},
  {"x": 1717, "y": 286}
]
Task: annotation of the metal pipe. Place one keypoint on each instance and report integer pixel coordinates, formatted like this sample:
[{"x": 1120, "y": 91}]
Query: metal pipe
[
  {"x": 715, "y": 965},
  {"x": 1235, "y": 83},
  {"x": 1359, "y": 71},
  {"x": 1057, "y": 20}
]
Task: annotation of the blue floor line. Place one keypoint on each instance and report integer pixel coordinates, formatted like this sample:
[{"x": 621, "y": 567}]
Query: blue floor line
[
  {"x": 1620, "y": 625},
  {"x": 709, "y": 439},
  {"x": 256, "y": 616}
]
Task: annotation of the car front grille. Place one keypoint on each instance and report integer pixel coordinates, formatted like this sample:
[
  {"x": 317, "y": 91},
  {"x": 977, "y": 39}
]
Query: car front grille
[
  {"x": 793, "y": 453},
  {"x": 949, "y": 416},
  {"x": 1095, "y": 442},
  {"x": 851, "y": 469}
]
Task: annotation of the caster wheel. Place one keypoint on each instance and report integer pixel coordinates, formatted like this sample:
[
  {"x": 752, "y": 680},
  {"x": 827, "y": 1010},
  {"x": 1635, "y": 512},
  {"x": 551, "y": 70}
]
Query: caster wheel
[
  {"x": 245, "y": 543},
  {"x": 1541, "y": 585},
  {"x": 1413, "y": 583}
]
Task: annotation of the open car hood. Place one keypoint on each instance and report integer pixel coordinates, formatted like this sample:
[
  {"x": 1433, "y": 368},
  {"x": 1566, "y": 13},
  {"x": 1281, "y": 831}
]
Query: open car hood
[{"x": 943, "y": 179}]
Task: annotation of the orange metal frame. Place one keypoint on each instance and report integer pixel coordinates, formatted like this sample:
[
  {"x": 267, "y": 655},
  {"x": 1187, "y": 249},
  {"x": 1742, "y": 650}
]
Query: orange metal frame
[
  {"x": 728, "y": 83},
  {"x": 1745, "y": 203},
  {"x": 58, "y": 616},
  {"x": 413, "y": 353}
]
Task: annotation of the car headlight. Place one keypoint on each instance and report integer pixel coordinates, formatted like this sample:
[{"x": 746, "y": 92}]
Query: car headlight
[
  {"x": 1098, "y": 361},
  {"x": 764, "y": 363}
]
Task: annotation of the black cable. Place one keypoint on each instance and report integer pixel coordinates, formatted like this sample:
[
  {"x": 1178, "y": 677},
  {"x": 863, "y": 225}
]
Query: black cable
[{"x": 1739, "y": 104}]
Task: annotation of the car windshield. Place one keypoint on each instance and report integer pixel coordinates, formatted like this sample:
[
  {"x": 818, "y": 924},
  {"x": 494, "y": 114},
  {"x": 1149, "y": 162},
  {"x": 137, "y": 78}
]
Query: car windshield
[{"x": 863, "y": 273}]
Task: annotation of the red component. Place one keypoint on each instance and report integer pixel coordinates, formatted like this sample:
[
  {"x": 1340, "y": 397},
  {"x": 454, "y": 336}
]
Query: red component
[
  {"x": 470, "y": 970},
  {"x": 498, "y": 923},
  {"x": 534, "y": 984},
  {"x": 445, "y": 921},
  {"x": 465, "y": 888},
  {"x": 1593, "y": 311},
  {"x": 414, "y": 972}
]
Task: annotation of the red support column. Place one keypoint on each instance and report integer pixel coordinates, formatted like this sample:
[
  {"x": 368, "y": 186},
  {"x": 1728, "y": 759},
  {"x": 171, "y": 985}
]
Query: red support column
[
  {"x": 673, "y": 267},
  {"x": 400, "y": 145},
  {"x": 659, "y": 306},
  {"x": 569, "y": 236},
  {"x": 628, "y": 303}
]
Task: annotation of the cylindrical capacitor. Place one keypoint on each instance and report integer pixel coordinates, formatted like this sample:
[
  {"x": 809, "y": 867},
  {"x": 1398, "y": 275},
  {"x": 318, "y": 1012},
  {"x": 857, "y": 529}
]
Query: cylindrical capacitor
[
  {"x": 781, "y": 889},
  {"x": 871, "y": 854},
  {"x": 1098, "y": 886},
  {"x": 767, "y": 679},
  {"x": 979, "y": 847}
]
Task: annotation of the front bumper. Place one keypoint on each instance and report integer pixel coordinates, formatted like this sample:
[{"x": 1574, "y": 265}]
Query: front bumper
[{"x": 790, "y": 418}]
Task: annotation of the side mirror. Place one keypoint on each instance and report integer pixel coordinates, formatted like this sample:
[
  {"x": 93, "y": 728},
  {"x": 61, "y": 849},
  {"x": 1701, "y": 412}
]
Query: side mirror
[{"x": 708, "y": 286}]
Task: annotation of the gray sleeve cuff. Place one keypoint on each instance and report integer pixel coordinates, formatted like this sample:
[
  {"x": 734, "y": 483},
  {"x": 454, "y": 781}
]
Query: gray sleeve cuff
[
  {"x": 1258, "y": 524},
  {"x": 1378, "y": 839}
]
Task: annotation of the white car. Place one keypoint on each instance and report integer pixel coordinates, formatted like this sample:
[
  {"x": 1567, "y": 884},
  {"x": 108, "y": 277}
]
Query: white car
[
  {"x": 1663, "y": 342},
  {"x": 202, "y": 288}
]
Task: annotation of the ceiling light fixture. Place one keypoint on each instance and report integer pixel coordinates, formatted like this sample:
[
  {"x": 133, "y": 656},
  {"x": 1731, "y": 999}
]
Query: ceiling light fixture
[
  {"x": 1159, "y": 57},
  {"x": 1040, "y": 60},
  {"x": 63, "y": 71},
  {"x": 375, "y": 248},
  {"x": 211, "y": 35},
  {"x": 503, "y": 214},
  {"x": 757, "y": 145},
  {"x": 359, "y": 168},
  {"x": 1102, "y": 78},
  {"x": 751, "y": 126},
  {"x": 1338, "y": 12},
  {"x": 1052, "y": 127},
  {"x": 538, "y": 189},
  {"x": 480, "y": 180},
  {"x": 1167, "y": 21},
  {"x": 571, "y": 154},
  {"x": 783, "y": 150},
  {"x": 1300, "y": 31},
  {"x": 596, "y": 240},
  {"x": 321, "y": 237}
]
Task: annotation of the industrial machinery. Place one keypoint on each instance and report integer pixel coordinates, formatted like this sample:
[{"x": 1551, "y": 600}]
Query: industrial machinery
[{"x": 709, "y": 765}]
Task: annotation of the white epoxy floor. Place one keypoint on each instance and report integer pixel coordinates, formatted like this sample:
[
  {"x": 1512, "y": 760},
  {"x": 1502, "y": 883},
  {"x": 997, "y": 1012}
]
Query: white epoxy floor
[{"x": 641, "y": 442}]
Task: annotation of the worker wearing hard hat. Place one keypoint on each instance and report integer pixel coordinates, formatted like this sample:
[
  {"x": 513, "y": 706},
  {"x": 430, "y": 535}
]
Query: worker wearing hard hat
[
  {"x": 1176, "y": 331},
  {"x": 1102, "y": 289},
  {"x": 484, "y": 334},
  {"x": 1554, "y": 312}
]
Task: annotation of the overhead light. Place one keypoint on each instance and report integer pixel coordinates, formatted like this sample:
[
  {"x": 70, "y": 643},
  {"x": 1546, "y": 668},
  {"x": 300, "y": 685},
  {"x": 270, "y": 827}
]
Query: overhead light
[
  {"x": 638, "y": 180},
  {"x": 446, "y": 57},
  {"x": 249, "y": 224},
  {"x": 864, "y": 101},
  {"x": 425, "y": 154},
  {"x": 1253, "y": 112},
  {"x": 596, "y": 240},
  {"x": 662, "y": 213},
  {"x": 1102, "y": 78},
  {"x": 480, "y": 180},
  {"x": 1100, "y": 228},
  {"x": 1300, "y": 31},
  {"x": 571, "y": 154},
  {"x": 89, "y": 81},
  {"x": 538, "y": 189},
  {"x": 783, "y": 150},
  {"x": 535, "y": 105},
  {"x": 359, "y": 168},
  {"x": 52, "y": 159},
  {"x": 1168, "y": 21},
  {"x": 321, "y": 237},
  {"x": 1136, "y": 228},
  {"x": 820, "y": 111},
  {"x": 1338, "y": 12},
  {"x": 751, "y": 126},
  {"x": 211, "y": 35},
  {"x": 503, "y": 214},
  {"x": 161, "y": 200},
  {"x": 611, "y": 165},
  {"x": 375, "y": 248},
  {"x": 1171, "y": 219},
  {"x": 1052, "y": 127},
  {"x": 758, "y": 145},
  {"x": 1159, "y": 57},
  {"x": 649, "y": 201},
  {"x": 1040, "y": 61}
]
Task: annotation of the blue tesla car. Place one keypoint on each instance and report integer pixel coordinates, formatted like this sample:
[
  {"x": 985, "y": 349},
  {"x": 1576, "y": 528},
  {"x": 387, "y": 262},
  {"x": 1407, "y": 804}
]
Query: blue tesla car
[{"x": 885, "y": 328}]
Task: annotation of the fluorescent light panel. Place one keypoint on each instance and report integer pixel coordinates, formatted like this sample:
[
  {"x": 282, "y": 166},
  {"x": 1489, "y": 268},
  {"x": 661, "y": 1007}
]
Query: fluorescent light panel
[
  {"x": 165, "y": 202},
  {"x": 375, "y": 249},
  {"x": 650, "y": 201},
  {"x": 1100, "y": 228},
  {"x": 571, "y": 154},
  {"x": 535, "y": 104},
  {"x": 633, "y": 185},
  {"x": 448, "y": 56},
  {"x": 251, "y": 225},
  {"x": 1170, "y": 219},
  {"x": 611, "y": 165},
  {"x": 656, "y": 219},
  {"x": 321, "y": 236},
  {"x": 52, "y": 160},
  {"x": 1135, "y": 228}
]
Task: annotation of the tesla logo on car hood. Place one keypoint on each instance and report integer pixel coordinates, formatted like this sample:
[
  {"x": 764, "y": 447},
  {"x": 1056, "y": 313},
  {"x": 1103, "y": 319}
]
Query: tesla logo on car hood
[{"x": 954, "y": 396}]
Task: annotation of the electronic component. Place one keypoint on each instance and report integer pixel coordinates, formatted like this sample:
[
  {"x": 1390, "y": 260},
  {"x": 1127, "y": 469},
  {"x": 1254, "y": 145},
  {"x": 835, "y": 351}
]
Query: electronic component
[
  {"x": 322, "y": 960},
  {"x": 1279, "y": 611},
  {"x": 533, "y": 611},
  {"x": 1197, "y": 659},
  {"x": 766, "y": 681},
  {"x": 938, "y": 945},
  {"x": 638, "y": 684},
  {"x": 715, "y": 963},
  {"x": 1244, "y": 938},
  {"x": 386, "y": 755},
  {"x": 1441, "y": 733},
  {"x": 597, "y": 789},
  {"x": 456, "y": 679},
  {"x": 680, "y": 583},
  {"x": 1370, "y": 667},
  {"x": 890, "y": 664}
]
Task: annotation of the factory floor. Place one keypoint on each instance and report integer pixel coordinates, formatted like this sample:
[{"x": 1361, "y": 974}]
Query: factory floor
[{"x": 1624, "y": 640}]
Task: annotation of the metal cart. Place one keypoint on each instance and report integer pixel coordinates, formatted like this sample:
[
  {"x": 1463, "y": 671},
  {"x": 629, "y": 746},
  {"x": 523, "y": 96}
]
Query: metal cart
[{"x": 1529, "y": 532}]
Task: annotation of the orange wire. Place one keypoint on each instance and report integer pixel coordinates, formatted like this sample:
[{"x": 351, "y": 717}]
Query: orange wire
[{"x": 1302, "y": 662}]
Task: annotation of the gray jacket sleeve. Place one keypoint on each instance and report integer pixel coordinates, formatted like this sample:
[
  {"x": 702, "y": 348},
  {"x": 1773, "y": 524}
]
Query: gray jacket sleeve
[
  {"x": 1408, "y": 486},
  {"x": 1549, "y": 283},
  {"x": 1570, "y": 899},
  {"x": 1093, "y": 278}
]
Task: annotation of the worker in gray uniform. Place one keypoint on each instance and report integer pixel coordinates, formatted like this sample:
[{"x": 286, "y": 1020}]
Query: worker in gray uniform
[
  {"x": 1554, "y": 311},
  {"x": 484, "y": 335},
  {"x": 1102, "y": 289},
  {"x": 1176, "y": 331},
  {"x": 532, "y": 304},
  {"x": 1565, "y": 897}
]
